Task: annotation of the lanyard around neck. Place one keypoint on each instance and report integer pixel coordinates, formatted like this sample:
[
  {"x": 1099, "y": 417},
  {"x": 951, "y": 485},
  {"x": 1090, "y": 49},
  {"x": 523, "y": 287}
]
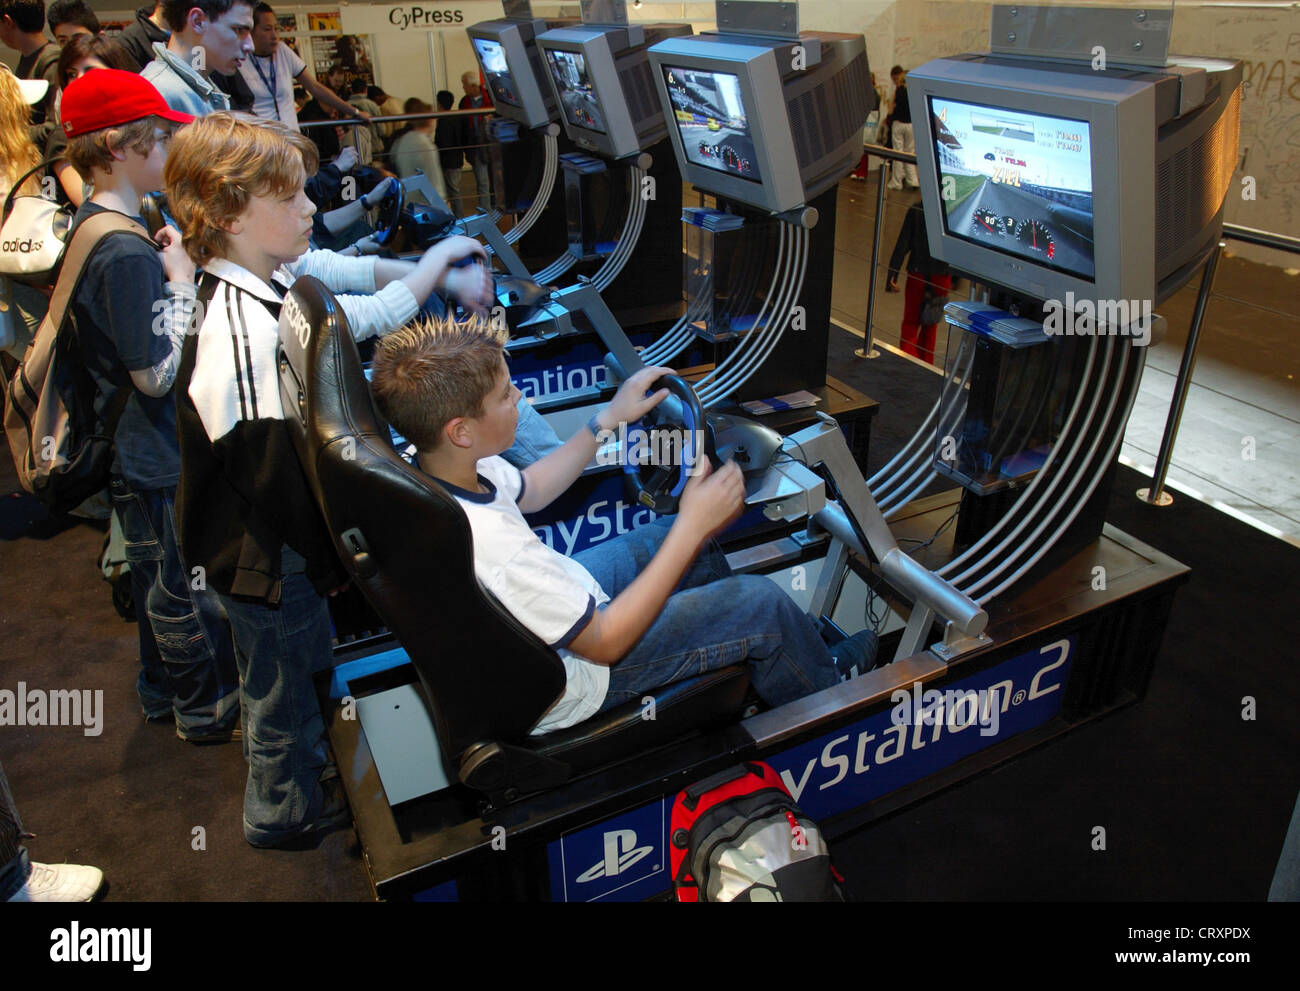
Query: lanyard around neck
[{"x": 269, "y": 84}]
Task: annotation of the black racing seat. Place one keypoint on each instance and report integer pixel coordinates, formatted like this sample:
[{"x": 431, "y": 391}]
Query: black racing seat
[{"x": 407, "y": 545}]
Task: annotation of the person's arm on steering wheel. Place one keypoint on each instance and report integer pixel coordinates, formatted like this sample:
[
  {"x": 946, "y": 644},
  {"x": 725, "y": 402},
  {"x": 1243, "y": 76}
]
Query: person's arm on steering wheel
[
  {"x": 471, "y": 286},
  {"x": 550, "y": 477},
  {"x": 710, "y": 502},
  {"x": 337, "y": 220}
]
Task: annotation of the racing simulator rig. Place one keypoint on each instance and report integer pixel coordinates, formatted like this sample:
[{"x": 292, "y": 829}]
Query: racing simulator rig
[{"x": 1008, "y": 639}]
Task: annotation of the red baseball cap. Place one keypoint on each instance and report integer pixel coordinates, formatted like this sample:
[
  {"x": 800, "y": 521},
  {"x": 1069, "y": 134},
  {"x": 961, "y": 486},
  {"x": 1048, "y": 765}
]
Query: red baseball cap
[{"x": 110, "y": 98}]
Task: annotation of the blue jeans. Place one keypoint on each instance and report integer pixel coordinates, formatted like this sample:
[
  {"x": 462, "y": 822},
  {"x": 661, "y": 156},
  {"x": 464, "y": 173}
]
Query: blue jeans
[
  {"x": 151, "y": 687},
  {"x": 193, "y": 668},
  {"x": 534, "y": 437},
  {"x": 15, "y": 868},
  {"x": 480, "y": 163},
  {"x": 713, "y": 620},
  {"x": 451, "y": 178},
  {"x": 277, "y": 649}
]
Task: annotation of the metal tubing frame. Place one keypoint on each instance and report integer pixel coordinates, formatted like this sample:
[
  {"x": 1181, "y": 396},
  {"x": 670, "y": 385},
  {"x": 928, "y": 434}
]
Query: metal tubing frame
[
  {"x": 1078, "y": 504},
  {"x": 1024, "y": 508},
  {"x": 724, "y": 383},
  {"x": 775, "y": 289},
  {"x": 1023, "y": 504},
  {"x": 538, "y": 206},
  {"x": 1183, "y": 384},
  {"x": 1107, "y": 425},
  {"x": 867, "y": 351},
  {"x": 856, "y": 514}
]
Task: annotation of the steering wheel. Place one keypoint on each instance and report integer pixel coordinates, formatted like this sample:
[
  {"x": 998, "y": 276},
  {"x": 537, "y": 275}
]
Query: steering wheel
[
  {"x": 388, "y": 213},
  {"x": 659, "y": 487}
]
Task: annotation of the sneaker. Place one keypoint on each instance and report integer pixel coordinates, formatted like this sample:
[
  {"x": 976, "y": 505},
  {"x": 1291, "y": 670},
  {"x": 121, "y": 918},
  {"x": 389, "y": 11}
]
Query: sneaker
[
  {"x": 60, "y": 883},
  {"x": 334, "y": 812},
  {"x": 894, "y": 185},
  {"x": 855, "y": 655},
  {"x": 203, "y": 739}
]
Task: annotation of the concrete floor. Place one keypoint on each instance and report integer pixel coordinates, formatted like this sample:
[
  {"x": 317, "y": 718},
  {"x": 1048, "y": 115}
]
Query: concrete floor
[{"x": 1238, "y": 446}]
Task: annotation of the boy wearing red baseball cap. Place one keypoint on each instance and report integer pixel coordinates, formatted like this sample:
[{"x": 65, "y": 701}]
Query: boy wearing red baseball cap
[{"x": 130, "y": 313}]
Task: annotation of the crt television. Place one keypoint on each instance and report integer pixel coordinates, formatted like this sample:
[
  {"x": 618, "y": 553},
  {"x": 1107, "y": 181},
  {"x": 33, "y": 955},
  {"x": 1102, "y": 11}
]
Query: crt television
[
  {"x": 766, "y": 122},
  {"x": 507, "y": 53},
  {"x": 1052, "y": 178},
  {"x": 601, "y": 81}
]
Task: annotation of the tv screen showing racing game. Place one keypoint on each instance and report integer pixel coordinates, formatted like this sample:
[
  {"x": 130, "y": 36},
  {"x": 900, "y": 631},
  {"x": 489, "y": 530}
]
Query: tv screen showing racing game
[
  {"x": 1017, "y": 182},
  {"x": 577, "y": 95},
  {"x": 710, "y": 113},
  {"x": 497, "y": 72}
]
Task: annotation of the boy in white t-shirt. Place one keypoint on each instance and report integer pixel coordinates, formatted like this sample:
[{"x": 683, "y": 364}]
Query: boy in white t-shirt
[{"x": 644, "y": 610}]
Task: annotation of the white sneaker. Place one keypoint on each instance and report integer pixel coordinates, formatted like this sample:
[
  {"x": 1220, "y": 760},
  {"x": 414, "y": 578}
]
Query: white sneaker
[{"x": 60, "y": 883}]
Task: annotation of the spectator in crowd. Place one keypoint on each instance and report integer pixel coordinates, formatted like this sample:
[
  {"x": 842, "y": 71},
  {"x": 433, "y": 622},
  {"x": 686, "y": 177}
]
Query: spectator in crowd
[
  {"x": 223, "y": 30},
  {"x": 22, "y": 27},
  {"x": 415, "y": 151},
  {"x": 138, "y": 37},
  {"x": 20, "y": 154},
  {"x": 367, "y": 136},
  {"x": 23, "y": 881},
  {"x": 85, "y": 52},
  {"x": 275, "y": 68},
  {"x": 389, "y": 106},
  {"x": 474, "y": 133},
  {"x": 927, "y": 278},
  {"x": 450, "y": 156},
  {"x": 330, "y": 104},
  {"x": 873, "y": 131},
  {"x": 900, "y": 129},
  {"x": 328, "y": 140},
  {"x": 26, "y": 305},
  {"x": 80, "y": 55},
  {"x": 352, "y": 58},
  {"x": 244, "y": 506},
  {"x": 337, "y": 80},
  {"x": 233, "y": 85},
  {"x": 130, "y": 312},
  {"x": 68, "y": 18}
]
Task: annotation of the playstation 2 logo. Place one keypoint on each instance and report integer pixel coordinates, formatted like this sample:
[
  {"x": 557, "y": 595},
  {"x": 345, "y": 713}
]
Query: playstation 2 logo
[{"x": 621, "y": 852}]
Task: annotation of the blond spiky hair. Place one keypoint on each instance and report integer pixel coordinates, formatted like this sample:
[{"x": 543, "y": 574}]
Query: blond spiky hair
[{"x": 434, "y": 370}]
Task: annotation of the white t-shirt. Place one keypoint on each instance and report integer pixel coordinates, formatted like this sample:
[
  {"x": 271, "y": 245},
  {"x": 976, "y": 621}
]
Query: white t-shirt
[
  {"x": 271, "y": 80},
  {"x": 554, "y": 596}
]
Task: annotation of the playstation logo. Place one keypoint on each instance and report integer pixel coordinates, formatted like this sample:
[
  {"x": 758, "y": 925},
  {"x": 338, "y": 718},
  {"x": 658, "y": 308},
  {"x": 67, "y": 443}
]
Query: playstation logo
[{"x": 621, "y": 852}]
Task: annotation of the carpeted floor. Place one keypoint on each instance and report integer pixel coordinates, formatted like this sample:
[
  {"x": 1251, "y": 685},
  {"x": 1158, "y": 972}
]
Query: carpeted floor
[{"x": 1195, "y": 799}]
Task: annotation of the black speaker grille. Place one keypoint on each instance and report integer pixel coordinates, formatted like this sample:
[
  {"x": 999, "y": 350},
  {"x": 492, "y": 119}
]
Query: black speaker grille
[
  {"x": 642, "y": 101},
  {"x": 1191, "y": 185},
  {"x": 827, "y": 115}
]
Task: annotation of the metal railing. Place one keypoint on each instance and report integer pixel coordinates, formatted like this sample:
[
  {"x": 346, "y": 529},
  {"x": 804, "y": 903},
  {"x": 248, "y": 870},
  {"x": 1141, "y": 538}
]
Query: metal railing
[{"x": 381, "y": 152}]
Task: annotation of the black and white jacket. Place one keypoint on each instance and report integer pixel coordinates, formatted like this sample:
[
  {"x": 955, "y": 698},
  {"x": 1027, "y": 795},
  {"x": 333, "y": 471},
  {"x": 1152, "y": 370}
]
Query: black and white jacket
[{"x": 242, "y": 495}]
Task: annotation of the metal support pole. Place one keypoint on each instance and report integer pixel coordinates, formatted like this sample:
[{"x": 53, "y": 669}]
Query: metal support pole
[
  {"x": 867, "y": 351},
  {"x": 1155, "y": 494}
]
